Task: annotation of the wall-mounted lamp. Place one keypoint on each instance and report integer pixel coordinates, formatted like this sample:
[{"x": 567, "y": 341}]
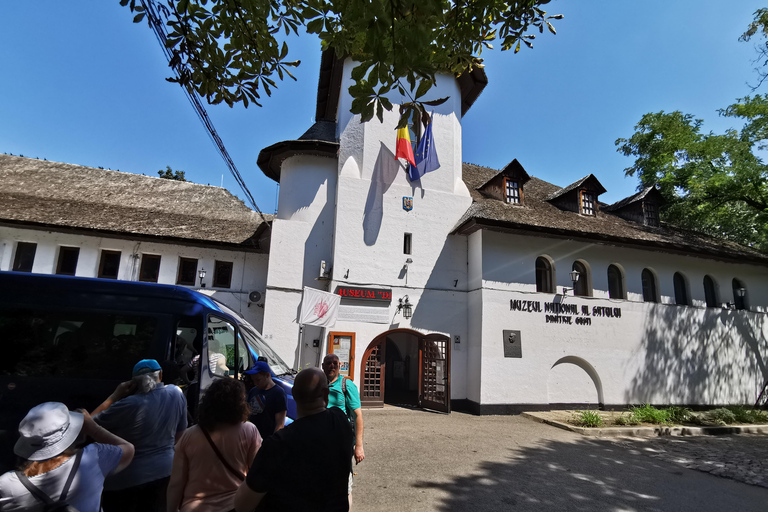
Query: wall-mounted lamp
[
  {"x": 201, "y": 275},
  {"x": 740, "y": 293},
  {"x": 405, "y": 305},
  {"x": 407, "y": 262},
  {"x": 574, "y": 275}
]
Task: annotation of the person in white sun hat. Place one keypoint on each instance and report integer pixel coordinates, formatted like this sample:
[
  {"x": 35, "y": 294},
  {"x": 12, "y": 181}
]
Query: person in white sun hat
[{"x": 55, "y": 466}]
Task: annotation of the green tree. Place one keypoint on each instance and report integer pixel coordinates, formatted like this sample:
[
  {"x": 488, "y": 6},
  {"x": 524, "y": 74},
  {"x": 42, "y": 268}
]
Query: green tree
[
  {"x": 170, "y": 174},
  {"x": 713, "y": 183},
  {"x": 759, "y": 29},
  {"x": 232, "y": 50}
]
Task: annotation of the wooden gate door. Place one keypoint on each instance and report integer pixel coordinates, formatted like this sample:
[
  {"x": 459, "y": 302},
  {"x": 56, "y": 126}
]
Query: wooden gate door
[
  {"x": 372, "y": 394},
  {"x": 434, "y": 372}
]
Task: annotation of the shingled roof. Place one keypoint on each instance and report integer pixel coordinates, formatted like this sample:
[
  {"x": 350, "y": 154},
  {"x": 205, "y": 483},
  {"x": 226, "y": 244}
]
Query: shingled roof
[
  {"x": 537, "y": 216},
  {"x": 38, "y": 193}
]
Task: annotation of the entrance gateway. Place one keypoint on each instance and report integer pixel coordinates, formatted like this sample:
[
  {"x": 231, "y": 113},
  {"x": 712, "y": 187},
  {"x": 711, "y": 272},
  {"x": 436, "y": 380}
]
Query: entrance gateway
[{"x": 406, "y": 367}]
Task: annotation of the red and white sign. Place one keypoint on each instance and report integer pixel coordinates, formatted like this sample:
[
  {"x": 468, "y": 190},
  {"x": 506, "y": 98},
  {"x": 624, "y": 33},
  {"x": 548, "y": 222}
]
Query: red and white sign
[{"x": 319, "y": 308}]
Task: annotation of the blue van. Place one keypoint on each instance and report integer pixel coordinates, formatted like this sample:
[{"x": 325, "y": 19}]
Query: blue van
[{"x": 73, "y": 340}]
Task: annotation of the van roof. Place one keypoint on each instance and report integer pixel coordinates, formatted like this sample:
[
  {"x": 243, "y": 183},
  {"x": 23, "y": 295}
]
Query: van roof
[{"x": 45, "y": 283}]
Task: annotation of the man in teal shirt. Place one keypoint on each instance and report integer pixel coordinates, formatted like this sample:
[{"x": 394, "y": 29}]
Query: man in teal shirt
[{"x": 348, "y": 401}]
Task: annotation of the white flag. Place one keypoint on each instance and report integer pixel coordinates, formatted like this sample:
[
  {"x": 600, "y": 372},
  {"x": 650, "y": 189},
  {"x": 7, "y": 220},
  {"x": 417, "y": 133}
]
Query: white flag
[{"x": 319, "y": 308}]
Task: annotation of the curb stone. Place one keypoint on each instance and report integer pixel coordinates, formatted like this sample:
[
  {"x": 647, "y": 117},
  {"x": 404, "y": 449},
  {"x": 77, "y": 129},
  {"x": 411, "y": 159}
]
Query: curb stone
[{"x": 656, "y": 431}]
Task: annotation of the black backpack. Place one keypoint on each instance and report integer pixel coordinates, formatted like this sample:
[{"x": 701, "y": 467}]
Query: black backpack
[{"x": 61, "y": 504}]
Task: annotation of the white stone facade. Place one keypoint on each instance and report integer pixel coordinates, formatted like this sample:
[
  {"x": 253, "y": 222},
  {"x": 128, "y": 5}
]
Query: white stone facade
[{"x": 347, "y": 211}]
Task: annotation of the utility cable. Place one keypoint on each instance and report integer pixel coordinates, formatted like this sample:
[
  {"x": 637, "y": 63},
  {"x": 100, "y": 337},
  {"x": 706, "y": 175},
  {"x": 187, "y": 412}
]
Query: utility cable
[{"x": 158, "y": 27}]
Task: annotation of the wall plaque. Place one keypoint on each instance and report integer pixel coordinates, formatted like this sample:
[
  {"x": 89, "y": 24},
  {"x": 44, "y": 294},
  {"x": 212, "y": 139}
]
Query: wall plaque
[{"x": 512, "y": 347}]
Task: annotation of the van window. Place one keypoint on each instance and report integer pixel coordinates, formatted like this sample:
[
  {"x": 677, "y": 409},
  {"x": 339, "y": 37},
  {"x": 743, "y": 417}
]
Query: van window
[
  {"x": 224, "y": 356},
  {"x": 73, "y": 344}
]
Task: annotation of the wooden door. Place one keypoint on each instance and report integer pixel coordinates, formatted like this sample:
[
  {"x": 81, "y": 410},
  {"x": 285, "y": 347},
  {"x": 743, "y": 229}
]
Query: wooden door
[
  {"x": 434, "y": 372},
  {"x": 372, "y": 392}
]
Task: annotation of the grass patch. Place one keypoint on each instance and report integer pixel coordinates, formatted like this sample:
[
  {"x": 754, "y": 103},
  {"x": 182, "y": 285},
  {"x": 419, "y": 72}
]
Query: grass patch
[
  {"x": 648, "y": 414},
  {"x": 626, "y": 419},
  {"x": 588, "y": 419},
  {"x": 679, "y": 414}
]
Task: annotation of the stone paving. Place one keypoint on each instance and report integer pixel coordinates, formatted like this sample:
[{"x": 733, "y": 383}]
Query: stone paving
[{"x": 742, "y": 457}]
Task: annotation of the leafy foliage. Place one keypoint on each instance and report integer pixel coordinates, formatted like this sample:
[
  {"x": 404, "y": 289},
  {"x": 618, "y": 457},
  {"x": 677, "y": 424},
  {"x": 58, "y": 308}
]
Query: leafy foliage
[
  {"x": 759, "y": 28},
  {"x": 713, "y": 183},
  {"x": 232, "y": 50},
  {"x": 170, "y": 174}
]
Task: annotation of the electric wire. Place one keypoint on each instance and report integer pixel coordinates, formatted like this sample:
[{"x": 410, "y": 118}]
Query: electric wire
[{"x": 158, "y": 27}]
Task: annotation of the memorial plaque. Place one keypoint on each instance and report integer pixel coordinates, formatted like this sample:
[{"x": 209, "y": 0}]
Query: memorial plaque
[{"x": 512, "y": 344}]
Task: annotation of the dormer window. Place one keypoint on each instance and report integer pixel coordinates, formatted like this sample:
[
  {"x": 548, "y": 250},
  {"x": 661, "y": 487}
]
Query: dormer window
[
  {"x": 650, "y": 214},
  {"x": 512, "y": 188},
  {"x": 587, "y": 203}
]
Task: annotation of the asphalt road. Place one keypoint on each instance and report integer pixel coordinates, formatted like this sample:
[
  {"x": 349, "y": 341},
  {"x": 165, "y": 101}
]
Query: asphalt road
[{"x": 422, "y": 461}]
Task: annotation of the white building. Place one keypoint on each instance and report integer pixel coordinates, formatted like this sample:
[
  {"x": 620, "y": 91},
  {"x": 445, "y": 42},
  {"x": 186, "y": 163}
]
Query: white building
[
  {"x": 67, "y": 219},
  {"x": 463, "y": 299},
  {"x": 482, "y": 258}
]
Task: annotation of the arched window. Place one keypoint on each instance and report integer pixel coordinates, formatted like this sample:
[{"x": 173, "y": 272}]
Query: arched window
[
  {"x": 545, "y": 275},
  {"x": 581, "y": 287},
  {"x": 739, "y": 294},
  {"x": 710, "y": 292},
  {"x": 616, "y": 289},
  {"x": 681, "y": 289},
  {"x": 649, "y": 286}
]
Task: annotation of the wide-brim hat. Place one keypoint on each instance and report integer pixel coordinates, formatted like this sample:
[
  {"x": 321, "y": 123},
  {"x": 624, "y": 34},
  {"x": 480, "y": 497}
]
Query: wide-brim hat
[{"x": 47, "y": 430}]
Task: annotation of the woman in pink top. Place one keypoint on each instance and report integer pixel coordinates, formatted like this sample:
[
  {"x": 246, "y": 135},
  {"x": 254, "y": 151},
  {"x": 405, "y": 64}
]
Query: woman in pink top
[{"x": 203, "y": 480}]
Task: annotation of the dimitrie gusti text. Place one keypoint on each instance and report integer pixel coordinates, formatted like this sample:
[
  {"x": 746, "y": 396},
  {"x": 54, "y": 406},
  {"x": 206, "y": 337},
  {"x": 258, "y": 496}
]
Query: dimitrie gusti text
[{"x": 558, "y": 313}]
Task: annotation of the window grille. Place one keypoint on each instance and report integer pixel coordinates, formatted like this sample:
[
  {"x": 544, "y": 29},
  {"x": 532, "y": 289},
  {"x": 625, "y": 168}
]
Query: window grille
[
  {"x": 587, "y": 203},
  {"x": 513, "y": 191}
]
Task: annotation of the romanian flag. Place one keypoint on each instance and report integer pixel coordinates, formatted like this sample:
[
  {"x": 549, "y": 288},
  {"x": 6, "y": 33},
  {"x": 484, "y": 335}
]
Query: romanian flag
[{"x": 404, "y": 148}]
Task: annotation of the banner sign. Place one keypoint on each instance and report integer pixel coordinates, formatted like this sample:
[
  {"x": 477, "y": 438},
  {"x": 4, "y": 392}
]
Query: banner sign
[
  {"x": 349, "y": 292},
  {"x": 319, "y": 308}
]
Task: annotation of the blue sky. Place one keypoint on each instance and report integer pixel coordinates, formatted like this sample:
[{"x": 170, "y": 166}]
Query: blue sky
[{"x": 83, "y": 84}]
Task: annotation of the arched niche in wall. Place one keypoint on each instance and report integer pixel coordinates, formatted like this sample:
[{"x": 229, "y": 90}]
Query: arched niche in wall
[
  {"x": 583, "y": 286},
  {"x": 710, "y": 292},
  {"x": 650, "y": 285},
  {"x": 617, "y": 282},
  {"x": 572, "y": 380},
  {"x": 545, "y": 274},
  {"x": 682, "y": 296},
  {"x": 740, "y": 296}
]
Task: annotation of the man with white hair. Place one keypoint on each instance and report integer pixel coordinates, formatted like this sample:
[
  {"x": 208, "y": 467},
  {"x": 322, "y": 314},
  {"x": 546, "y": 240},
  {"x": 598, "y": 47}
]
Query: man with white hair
[{"x": 152, "y": 416}]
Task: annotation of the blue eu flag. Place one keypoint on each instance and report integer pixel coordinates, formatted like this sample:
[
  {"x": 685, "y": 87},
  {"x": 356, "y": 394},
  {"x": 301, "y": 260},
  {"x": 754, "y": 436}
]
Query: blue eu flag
[{"x": 425, "y": 156}]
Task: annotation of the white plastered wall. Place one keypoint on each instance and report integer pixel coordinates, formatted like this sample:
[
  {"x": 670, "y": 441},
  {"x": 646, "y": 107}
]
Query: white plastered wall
[
  {"x": 249, "y": 271},
  {"x": 371, "y": 224},
  {"x": 302, "y": 237},
  {"x": 658, "y": 353}
]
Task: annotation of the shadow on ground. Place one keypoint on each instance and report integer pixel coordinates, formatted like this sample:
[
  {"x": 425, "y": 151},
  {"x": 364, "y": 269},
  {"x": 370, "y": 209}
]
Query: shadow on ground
[{"x": 588, "y": 475}]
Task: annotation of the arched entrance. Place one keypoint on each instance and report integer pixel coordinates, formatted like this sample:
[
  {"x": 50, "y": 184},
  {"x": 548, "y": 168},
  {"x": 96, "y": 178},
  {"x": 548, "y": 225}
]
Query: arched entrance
[{"x": 406, "y": 367}]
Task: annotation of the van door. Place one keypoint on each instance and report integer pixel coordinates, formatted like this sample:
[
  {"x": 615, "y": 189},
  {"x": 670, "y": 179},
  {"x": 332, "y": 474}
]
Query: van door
[{"x": 224, "y": 353}]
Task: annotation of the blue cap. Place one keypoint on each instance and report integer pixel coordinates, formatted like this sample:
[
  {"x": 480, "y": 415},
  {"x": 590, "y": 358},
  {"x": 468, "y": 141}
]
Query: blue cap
[
  {"x": 146, "y": 366},
  {"x": 258, "y": 367}
]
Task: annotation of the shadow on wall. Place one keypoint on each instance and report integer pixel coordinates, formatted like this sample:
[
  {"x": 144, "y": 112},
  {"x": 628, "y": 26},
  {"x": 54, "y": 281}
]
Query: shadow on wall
[
  {"x": 700, "y": 356},
  {"x": 384, "y": 173},
  {"x": 587, "y": 475}
]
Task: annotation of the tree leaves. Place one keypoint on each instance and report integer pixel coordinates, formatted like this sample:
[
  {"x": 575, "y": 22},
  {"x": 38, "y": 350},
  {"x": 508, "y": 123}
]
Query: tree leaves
[
  {"x": 713, "y": 183},
  {"x": 228, "y": 50}
]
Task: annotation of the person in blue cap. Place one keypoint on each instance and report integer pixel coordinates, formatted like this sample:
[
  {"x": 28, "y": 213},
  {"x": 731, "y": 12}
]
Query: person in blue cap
[
  {"x": 151, "y": 416},
  {"x": 267, "y": 400}
]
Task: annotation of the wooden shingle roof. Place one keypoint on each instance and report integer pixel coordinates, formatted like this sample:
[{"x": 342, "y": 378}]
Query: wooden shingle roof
[
  {"x": 39, "y": 193},
  {"x": 538, "y": 217}
]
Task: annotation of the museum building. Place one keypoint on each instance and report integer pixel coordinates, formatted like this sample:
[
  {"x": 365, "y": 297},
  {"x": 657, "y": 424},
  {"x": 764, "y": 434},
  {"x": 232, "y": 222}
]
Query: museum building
[
  {"x": 473, "y": 288},
  {"x": 494, "y": 291}
]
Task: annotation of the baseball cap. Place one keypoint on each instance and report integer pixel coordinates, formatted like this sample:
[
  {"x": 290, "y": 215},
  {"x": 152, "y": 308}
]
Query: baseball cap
[
  {"x": 258, "y": 367},
  {"x": 146, "y": 366},
  {"x": 47, "y": 430}
]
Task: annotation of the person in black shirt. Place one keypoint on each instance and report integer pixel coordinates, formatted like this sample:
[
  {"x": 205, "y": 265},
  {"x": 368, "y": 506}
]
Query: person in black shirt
[
  {"x": 267, "y": 400},
  {"x": 306, "y": 465}
]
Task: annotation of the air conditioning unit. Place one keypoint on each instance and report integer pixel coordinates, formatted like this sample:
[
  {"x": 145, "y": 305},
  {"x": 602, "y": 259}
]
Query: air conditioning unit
[{"x": 254, "y": 296}]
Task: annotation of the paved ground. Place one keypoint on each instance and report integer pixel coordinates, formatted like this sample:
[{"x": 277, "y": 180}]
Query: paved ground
[{"x": 422, "y": 461}]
